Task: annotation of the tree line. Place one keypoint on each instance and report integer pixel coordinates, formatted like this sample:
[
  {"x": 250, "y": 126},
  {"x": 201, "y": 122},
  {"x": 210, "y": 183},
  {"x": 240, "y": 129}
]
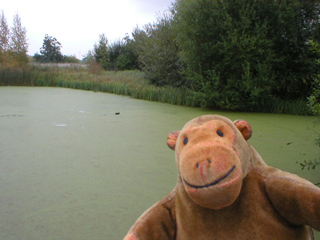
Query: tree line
[
  {"x": 243, "y": 55},
  {"x": 119, "y": 55}
]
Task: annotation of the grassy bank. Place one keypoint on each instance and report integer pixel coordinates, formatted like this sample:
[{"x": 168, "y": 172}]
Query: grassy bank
[{"x": 129, "y": 83}]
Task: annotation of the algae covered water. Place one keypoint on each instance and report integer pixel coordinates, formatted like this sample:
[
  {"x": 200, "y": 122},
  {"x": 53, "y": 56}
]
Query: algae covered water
[{"x": 82, "y": 165}]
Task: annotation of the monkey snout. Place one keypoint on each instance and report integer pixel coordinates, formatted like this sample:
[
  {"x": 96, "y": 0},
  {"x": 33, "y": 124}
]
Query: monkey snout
[
  {"x": 203, "y": 167},
  {"x": 206, "y": 162}
]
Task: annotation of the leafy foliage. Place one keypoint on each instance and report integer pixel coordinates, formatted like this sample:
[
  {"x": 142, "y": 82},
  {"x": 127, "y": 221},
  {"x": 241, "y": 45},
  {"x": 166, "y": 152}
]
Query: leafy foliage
[
  {"x": 13, "y": 43},
  {"x": 158, "y": 52},
  {"x": 244, "y": 54},
  {"x": 18, "y": 43},
  {"x": 71, "y": 59},
  {"x": 122, "y": 56},
  {"x": 4, "y": 38},
  {"x": 309, "y": 164},
  {"x": 241, "y": 55},
  {"x": 100, "y": 52},
  {"x": 118, "y": 55},
  {"x": 4, "y": 33},
  {"x": 314, "y": 101},
  {"x": 127, "y": 59},
  {"x": 50, "y": 51}
]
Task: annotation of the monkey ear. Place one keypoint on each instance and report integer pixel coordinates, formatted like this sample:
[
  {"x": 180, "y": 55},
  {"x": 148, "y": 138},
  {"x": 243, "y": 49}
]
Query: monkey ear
[
  {"x": 172, "y": 139},
  {"x": 244, "y": 127}
]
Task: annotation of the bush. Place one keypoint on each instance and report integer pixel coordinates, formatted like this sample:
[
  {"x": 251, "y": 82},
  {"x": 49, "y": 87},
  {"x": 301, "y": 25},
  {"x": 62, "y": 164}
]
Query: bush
[
  {"x": 158, "y": 53},
  {"x": 70, "y": 59},
  {"x": 244, "y": 54}
]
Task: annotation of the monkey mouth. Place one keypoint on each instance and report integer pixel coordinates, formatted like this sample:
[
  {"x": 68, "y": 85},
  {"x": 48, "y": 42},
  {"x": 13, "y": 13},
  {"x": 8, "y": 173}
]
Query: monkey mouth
[{"x": 215, "y": 182}]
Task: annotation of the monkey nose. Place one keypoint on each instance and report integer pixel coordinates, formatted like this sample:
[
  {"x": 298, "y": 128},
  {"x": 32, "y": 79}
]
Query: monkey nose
[
  {"x": 203, "y": 163},
  {"x": 203, "y": 167}
]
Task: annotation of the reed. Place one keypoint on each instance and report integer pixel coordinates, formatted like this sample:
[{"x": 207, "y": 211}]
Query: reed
[
  {"x": 295, "y": 107},
  {"x": 129, "y": 83}
]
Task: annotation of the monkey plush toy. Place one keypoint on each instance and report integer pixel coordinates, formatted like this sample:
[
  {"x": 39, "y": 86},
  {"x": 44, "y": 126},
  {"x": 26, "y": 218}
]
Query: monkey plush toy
[{"x": 226, "y": 191}]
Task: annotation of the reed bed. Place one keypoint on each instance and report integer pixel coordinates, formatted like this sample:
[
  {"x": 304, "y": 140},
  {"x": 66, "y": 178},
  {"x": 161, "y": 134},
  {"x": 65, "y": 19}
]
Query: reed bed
[{"x": 128, "y": 83}]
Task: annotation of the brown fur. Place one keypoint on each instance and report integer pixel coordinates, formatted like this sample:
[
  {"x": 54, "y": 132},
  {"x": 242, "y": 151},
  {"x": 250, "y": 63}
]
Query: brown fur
[{"x": 230, "y": 195}]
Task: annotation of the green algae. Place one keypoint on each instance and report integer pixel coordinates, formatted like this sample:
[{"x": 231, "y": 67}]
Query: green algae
[{"x": 71, "y": 168}]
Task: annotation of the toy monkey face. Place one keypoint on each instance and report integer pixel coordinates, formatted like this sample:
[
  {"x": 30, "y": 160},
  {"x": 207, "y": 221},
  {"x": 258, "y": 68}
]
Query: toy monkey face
[{"x": 208, "y": 163}]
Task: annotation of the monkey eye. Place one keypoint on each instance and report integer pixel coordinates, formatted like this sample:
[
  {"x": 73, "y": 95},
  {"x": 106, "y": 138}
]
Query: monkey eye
[
  {"x": 185, "y": 141},
  {"x": 221, "y": 134}
]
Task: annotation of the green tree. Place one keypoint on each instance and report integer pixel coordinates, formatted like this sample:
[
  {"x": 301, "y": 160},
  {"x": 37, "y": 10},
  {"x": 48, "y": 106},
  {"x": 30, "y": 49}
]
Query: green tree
[
  {"x": 4, "y": 33},
  {"x": 158, "y": 52},
  {"x": 114, "y": 51},
  {"x": 13, "y": 44},
  {"x": 122, "y": 56},
  {"x": 88, "y": 57},
  {"x": 18, "y": 42},
  {"x": 50, "y": 51},
  {"x": 100, "y": 52},
  {"x": 4, "y": 39},
  {"x": 119, "y": 55},
  {"x": 244, "y": 54},
  {"x": 128, "y": 59}
]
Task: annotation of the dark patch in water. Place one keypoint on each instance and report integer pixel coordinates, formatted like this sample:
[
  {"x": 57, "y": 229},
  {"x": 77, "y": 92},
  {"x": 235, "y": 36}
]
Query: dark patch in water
[{"x": 13, "y": 115}]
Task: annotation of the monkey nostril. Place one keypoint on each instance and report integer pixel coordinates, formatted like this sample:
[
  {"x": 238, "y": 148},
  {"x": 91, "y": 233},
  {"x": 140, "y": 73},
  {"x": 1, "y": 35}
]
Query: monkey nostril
[
  {"x": 203, "y": 163},
  {"x": 221, "y": 134}
]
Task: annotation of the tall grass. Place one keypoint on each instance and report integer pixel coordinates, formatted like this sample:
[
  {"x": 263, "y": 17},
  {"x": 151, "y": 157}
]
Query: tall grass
[
  {"x": 295, "y": 107},
  {"x": 129, "y": 83},
  {"x": 277, "y": 105}
]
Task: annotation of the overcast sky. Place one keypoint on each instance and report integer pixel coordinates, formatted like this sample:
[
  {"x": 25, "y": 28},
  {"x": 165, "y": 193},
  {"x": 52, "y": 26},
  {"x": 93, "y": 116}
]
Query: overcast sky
[{"x": 78, "y": 24}]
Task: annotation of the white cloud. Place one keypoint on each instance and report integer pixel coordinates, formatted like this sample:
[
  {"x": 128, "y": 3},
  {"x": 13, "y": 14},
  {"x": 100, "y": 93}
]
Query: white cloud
[{"x": 77, "y": 24}]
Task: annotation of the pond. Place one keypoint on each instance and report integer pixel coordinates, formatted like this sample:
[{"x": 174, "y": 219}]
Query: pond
[{"x": 82, "y": 165}]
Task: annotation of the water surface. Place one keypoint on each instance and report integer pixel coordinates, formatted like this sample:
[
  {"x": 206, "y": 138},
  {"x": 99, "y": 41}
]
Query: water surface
[{"x": 71, "y": 168}]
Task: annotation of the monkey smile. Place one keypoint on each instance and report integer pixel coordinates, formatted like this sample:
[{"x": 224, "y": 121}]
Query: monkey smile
[{"x": 213, "y": 183}]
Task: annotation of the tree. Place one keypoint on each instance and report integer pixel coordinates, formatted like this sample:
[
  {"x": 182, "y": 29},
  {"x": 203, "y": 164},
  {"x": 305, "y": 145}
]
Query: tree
[
  {"x": 18, "y": 42},
  {"x": 13, "y": 44},
  {"x": 4, "y": 38},
  {"x": 121, "y": 55},
  {"x": 100, "y": 52},
  {"x": 128, "y": 59},
  {"x": 50, "y": 51},
  {"x": 4, "y": 33},
  {"x": 114, "y": 51},
  {"x": 244, "y": 54},
  {"x": 88, "y": 57},
  {"x": 158, "y": 52}
]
